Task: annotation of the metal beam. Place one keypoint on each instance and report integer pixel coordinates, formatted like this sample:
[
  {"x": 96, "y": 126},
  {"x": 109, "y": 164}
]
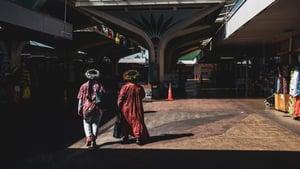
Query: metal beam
[
  {"x": 17, "y": 15},
  {"x": 143, "y": 3}
]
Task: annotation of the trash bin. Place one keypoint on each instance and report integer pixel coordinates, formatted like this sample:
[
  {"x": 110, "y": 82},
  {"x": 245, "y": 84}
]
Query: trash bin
[{"x": 156, "y": 90}]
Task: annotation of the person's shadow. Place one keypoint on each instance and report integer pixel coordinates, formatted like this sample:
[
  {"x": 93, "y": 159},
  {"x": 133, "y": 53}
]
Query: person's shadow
[
  {"x": 152, "y": 139},
  {"x": 163, "y": 137}
]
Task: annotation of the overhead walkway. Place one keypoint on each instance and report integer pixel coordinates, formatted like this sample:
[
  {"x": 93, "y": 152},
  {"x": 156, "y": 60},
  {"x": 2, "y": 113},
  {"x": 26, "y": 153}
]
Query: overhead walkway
[{"x": 166, "y": 28}]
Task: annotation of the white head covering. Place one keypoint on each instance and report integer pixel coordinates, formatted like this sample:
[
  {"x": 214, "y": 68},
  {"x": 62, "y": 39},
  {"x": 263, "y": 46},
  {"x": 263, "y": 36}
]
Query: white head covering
[{"x": 92, "y": 74}]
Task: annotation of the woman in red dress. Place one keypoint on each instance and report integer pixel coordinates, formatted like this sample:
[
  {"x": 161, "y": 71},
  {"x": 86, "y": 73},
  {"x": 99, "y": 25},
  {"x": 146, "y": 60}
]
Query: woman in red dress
[
  {"x": 89, "y": 106},
  {"x": 131, "y": 107}
]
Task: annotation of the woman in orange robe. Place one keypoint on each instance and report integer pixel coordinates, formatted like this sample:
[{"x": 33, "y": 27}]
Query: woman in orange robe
[{"x": 130, "y": 105}]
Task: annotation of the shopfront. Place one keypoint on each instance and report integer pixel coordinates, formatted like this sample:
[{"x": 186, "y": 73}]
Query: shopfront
[{"x": 287, "y": 80}]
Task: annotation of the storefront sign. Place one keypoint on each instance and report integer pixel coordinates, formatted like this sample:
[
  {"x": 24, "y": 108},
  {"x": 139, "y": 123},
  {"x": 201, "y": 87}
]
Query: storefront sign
[
  {"x": 296, "y": 44},
  {"x": 282, "y": 47}
]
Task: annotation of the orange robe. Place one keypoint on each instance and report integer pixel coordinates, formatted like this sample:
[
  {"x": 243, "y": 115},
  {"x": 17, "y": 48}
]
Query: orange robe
[{"x": 131, "y": 106}]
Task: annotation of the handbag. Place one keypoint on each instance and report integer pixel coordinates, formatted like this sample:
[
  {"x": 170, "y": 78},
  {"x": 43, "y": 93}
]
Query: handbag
[{"x": 117, "y": 133}]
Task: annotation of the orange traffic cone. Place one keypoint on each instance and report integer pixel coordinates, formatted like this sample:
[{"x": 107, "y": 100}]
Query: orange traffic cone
[{"x": 170, "y": 96}]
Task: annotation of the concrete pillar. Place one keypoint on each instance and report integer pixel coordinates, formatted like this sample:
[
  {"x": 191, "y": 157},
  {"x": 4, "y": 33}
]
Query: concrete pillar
[
  {"x": 15, "y": 48},
  {"x": 290, "y": 48},
  {"x": 12, "y": 50}
]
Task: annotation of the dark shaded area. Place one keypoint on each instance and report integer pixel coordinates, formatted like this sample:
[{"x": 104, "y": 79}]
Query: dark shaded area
[
  {"x": 42, "y": 125},
  {"x": 33, "y": 128},
  {"x": 164, "y": 159}
]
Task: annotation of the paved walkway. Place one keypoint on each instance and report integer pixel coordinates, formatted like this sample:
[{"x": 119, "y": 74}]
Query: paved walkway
[
  {"x": 212, "y": 124},
  {"x": 192, "y": 133}
]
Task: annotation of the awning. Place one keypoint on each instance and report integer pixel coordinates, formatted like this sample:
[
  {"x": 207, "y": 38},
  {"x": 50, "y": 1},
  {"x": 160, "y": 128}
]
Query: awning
[
  {"x": 134, "y": 58},
  {"x": 190, "y": 58}
]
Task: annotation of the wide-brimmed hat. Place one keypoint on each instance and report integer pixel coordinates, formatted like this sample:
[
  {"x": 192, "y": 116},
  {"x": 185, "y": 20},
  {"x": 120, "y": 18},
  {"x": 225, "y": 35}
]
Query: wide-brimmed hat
[
  {"x": 92, "y": 74},
  {"x": 131, "y": 75}
]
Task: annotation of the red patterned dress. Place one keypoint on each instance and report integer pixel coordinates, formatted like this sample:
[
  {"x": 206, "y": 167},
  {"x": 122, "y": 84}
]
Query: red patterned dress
[{"x": 131, "y": 105}]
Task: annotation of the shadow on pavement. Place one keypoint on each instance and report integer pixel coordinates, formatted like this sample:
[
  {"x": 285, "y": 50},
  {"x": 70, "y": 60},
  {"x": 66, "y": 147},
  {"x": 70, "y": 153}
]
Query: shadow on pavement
[
  {"x": 163, "y": 159},
  {"x": 152, "y": 139},
  {"x": 164, "y": 137}
]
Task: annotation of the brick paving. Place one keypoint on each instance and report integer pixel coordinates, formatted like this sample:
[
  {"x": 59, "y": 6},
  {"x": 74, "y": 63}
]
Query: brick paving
[{"x": 212, "y": 124}]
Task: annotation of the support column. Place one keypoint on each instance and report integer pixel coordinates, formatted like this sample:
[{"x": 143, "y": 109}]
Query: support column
[
  {"x": 12, "y": 50},
  {"x": 5, "y": 65},
  {"x": 290, "y": 48},
  {"x": 15, "y": 48}
]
